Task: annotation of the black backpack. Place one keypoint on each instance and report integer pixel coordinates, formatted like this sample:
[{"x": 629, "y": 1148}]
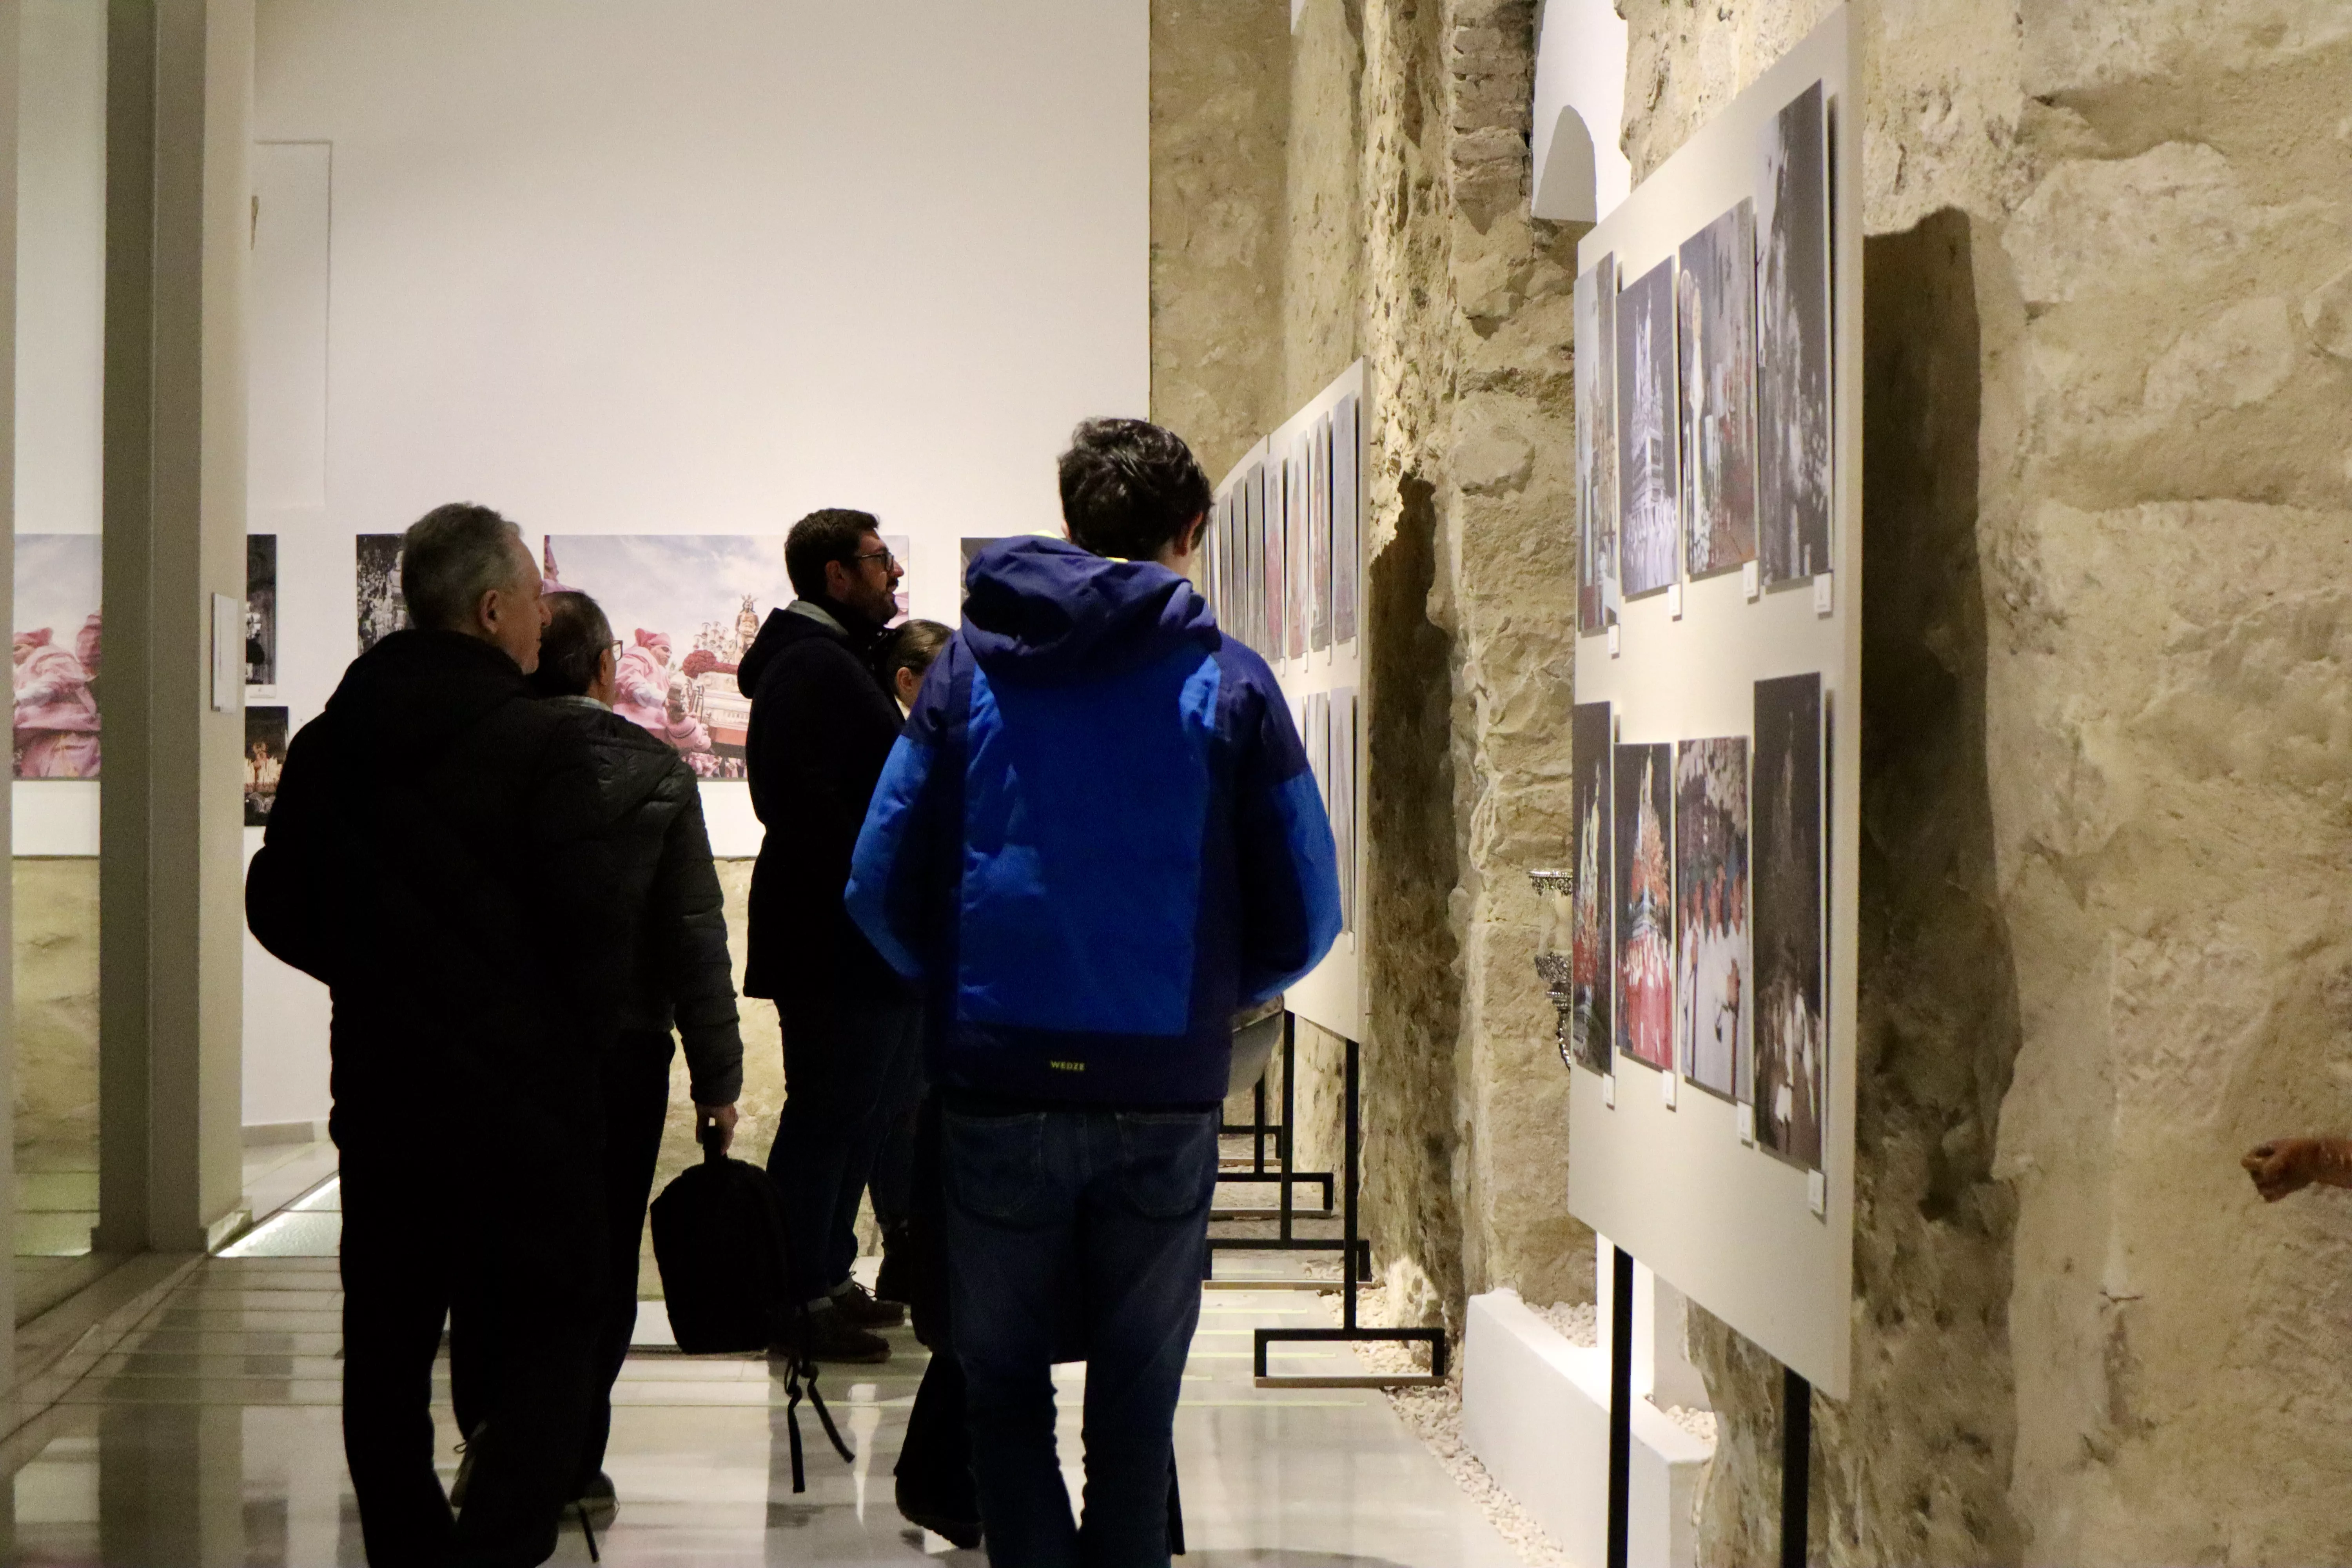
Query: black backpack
[{"x": 720, "y": 1244}]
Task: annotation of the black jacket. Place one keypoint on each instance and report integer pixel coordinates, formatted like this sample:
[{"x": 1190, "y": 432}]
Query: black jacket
[
  {"x": 822, "y": 724},
  {"x": 436, "y": 856},
  {"x": 666, "y": 895}
]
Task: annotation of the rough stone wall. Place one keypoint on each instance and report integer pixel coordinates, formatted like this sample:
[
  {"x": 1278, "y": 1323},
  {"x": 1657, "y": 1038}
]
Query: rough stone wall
[
  {"x": 2079, "y": 1339},
  {"x": 56, "y": 935},
  {"x": 1219, "y": 103},
  {"x": 1408, "y": 242}
]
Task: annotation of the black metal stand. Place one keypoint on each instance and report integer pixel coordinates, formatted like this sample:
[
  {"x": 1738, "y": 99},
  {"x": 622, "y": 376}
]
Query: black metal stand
[
  {"x": 1620, "y": 1408},
  {"x": 1357, "y": 1265},
  {"x": 1285, "y": 1176},
  {"x": 1796, "y": 1465}
]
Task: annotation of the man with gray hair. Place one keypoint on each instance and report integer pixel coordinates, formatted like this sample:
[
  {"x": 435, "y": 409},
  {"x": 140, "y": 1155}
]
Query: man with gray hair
[{"x": 424, "y": 824}]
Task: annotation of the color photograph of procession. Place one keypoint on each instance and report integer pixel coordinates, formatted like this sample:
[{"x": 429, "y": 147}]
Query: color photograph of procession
[
  {"x": 55, "y": 650},
  {"x": 684, "y": 608}
]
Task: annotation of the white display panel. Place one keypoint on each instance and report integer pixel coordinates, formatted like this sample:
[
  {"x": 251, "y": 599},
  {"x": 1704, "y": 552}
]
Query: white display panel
[
  {"x": 1655, "y": 1164},
  {"x": 1312, "y": 493}
]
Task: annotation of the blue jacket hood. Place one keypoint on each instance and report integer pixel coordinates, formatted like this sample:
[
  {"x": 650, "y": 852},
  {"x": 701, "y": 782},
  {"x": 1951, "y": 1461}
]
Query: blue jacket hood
[{"x": 1042, "y": 609}]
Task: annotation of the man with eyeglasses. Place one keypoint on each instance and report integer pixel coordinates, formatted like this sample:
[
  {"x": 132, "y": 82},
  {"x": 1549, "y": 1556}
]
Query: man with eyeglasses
[{"x": 822, "y": 723}]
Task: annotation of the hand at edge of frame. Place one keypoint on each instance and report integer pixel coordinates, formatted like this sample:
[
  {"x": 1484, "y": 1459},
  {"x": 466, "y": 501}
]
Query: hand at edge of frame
[{"x": 2286, "y": 1165}]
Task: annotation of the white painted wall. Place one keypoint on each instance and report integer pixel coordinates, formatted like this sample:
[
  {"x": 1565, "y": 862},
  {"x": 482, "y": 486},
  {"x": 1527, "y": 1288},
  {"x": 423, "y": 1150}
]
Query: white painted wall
[
  {"x": 1580, "y": 170},
  {"x": 681, "y": 265},
  {"x": 60, "y": 330}
]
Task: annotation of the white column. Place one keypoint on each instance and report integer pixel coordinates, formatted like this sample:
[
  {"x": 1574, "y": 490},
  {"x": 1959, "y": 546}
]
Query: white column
[{"x": 179, "y": 125}]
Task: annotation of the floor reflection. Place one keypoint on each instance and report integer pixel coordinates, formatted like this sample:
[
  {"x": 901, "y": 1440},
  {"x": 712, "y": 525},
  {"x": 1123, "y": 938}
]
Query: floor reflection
[{"x": 212, "y": 1436}]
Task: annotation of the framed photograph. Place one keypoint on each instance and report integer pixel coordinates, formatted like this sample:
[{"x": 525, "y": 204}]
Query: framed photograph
[
  {"x": 901, "y": 548},
  {"x": 1346, "y": 519},
  {"x": 1598, "y": 592},
  {"x": 1273, "y": 589},
  {"x": 265, "y": 758},
  {"x": 1318, "y": 535},
  {"x": 381, "y": 609},
  {"x": 1790, "y": 1067},
  {"x": 1792, "y": 347},
  {"x": 1315, "y": 732},
  {"x": 1714, "y": 311},
  {"x": 261, "y": 609},
  {"x": 969, "y": 550},
  {"x": 56, "y": 648},
  {"x": 1712, "y": 1013},
  {"x": 684, "y": 608},
  {"x": 1644, "y": 785},
  {"x": 1592, "y": 930},
  {"x": 1297, "y": 525},
  {"x": 1647, "y": 426},
  {"x": 1346, "y": 807}
]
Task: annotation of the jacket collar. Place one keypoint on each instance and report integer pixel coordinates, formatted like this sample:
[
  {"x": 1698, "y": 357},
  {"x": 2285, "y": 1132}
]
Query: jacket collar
[{"x": 818, "y": 613}]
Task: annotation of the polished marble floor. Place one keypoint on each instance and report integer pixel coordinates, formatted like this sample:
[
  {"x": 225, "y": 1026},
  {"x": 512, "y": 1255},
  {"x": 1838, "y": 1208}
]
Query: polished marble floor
[
  {"x": 211, "y": 1436},
  {"x": 57, "y": 1210}
]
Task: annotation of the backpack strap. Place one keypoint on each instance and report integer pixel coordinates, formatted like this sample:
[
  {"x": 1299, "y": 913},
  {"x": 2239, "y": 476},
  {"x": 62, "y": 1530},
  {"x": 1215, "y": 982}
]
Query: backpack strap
[{"x": 802, "y": 1368}]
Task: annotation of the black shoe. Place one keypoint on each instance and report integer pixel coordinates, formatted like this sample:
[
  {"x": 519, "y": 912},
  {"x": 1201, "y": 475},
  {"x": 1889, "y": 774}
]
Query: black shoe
[
  {"x": 598, "y": 1502},
  {"x": 956, "y": 1530},
  {"x": 465, "y": 1476},
  {"x": 824, "y": 1334},
  {"x": 859, "y": 1308}
]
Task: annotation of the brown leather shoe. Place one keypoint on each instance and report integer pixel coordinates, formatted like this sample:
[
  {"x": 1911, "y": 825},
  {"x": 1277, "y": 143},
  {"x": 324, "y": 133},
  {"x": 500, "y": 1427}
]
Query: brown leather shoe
[{"x": 859, "y": 1306}]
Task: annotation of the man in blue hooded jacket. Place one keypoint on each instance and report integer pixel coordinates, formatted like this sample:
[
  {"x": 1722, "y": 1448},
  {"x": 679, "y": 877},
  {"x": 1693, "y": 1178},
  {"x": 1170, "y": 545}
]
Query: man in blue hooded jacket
[{"x": 1097, "y": 839}]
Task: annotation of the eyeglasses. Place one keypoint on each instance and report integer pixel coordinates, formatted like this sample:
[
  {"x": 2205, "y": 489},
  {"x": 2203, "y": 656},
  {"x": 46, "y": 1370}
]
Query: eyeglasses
[{"x": 884, "y": 556}]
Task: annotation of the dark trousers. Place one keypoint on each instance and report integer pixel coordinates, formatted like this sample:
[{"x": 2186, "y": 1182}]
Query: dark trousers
[
  {"x": 507, "y": 1248},
  {"x": 636, "y": 1103},
  {"x": 845, "y": 1058},
  {"x": 1089, "y": 1224}
]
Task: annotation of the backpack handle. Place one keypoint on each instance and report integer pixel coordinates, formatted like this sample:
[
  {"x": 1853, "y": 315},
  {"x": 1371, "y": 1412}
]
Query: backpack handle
[{"x": 714, "y": 1144}]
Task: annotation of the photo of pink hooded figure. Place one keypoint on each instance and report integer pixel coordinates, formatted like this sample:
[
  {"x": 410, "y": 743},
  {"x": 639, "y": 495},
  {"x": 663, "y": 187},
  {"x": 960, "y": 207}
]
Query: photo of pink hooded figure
[
  {"x": 647, "y": 691},
  {"x": 56, "y": 712}
]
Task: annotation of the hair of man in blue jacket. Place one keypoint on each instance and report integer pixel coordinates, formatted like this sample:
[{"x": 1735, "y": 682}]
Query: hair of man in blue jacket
[{"x": 1130, "y": 489}]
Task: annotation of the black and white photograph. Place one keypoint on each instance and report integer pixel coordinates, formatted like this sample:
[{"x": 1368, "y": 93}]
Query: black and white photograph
[
  {"x": 1791, "y": 1066},
  {"x": 265, "y": 758},
  {"x": 1715, "y": 308},
  {"x": 261, "y": 609},
  {"x": 1596, "y": 448},
  {"x": 1645, "y": 786},
  {"x": 381, "y": 609},
  {"x": 1648, "y": 559},
  {"x": 1711, "y": 1000},
  {"x": 1792, "y": 343},
  {"x": 1346, "y": 824},
  {"x": 1347, "y": 519},
  {"x": 1591, "y": 952}
]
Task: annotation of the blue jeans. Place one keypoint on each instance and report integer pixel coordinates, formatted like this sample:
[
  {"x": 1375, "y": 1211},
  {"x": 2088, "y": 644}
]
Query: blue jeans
[{"x": 1070, "y": 1234}]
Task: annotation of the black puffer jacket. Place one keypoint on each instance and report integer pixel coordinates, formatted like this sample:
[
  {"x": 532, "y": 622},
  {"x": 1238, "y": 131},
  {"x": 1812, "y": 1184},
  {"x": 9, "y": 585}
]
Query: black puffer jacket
[
  {"x": 426, "y": 825},
  {"x": 667, "y": 896},
  {"x": 822, "y": 724}
]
